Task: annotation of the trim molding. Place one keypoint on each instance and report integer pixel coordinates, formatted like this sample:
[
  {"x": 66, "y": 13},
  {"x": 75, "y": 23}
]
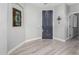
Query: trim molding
[
  {"x": 62, "y": 40},
  {"x": 19, "y": 45}
]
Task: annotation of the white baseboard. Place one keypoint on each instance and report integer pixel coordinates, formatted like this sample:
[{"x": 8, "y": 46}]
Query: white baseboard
[
  {"x": 29, "y": 40},
  {"x": 62, "y": 40}
]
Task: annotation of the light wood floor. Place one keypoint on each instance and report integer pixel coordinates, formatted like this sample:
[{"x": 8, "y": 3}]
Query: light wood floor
[{"x": 49, "y": 47}]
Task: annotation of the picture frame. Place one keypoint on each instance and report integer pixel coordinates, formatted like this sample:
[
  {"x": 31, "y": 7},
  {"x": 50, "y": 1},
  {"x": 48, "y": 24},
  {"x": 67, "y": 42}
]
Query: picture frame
[{"x": 16, "y": 17}]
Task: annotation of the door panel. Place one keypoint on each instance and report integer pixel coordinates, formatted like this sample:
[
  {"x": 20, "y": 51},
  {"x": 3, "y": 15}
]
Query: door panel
[{"x": 47, "y": 24}]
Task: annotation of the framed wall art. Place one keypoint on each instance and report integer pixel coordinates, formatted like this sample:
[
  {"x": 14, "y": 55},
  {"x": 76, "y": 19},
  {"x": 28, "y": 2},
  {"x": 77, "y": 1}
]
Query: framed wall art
[{"x": 16, "y": 17}]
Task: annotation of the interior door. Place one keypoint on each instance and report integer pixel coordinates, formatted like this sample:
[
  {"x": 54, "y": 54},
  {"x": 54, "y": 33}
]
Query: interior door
[{"x": 47, "y": 24}]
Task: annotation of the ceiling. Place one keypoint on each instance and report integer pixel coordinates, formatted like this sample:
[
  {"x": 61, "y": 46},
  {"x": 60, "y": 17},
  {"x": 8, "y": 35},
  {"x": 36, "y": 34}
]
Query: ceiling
[
  {"x": 46, "y": 5},
  {"x": 42, "y": 5}
]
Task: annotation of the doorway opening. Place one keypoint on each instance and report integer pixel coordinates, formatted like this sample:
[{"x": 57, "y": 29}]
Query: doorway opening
[{"x": 74, "y": 25}]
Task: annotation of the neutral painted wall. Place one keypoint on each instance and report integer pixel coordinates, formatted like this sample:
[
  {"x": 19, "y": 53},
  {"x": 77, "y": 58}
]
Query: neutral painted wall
[
  {"x": 33, "y": 22},
  {"x": 74, "y": 8},
  {"x": 31, "y": 25},
  {"x": 60, "y": 29},
  {"x": 3, "y": 29},
  {"x": 15, "y": 35}
]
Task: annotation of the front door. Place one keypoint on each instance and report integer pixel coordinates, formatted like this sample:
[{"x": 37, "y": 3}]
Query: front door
[{"x": 47, "y": 24}]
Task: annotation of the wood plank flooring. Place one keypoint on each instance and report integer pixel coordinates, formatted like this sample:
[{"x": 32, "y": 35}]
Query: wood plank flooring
[{"x": 49, "y": 47}]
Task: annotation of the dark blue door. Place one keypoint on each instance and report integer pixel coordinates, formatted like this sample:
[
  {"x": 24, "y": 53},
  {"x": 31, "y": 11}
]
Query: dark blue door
[{"x": 47, "y": 24}]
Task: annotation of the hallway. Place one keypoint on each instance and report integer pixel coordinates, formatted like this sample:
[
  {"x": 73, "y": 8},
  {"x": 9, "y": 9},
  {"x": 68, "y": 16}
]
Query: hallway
[
  {"x": 25, "y": 22},
  {"x": 49, "y": 47}
]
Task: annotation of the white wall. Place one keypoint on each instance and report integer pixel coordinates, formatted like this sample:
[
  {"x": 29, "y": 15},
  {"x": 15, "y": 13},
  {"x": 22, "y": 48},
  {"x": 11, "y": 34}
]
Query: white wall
[
  {"x": 16, "y": 35},
  {"x": 60, "y": 29},
  {"x": 3, "y": 29},
  {"x": 74, "y": 8},
  {"x": 33, "y": 22},
  {"x": 31, "y": 25}
]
